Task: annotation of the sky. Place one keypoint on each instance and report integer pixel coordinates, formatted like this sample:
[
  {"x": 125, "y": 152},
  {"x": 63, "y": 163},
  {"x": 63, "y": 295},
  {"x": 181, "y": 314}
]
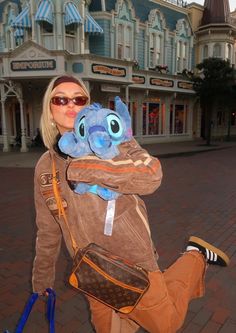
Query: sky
[{"x": 232, "y": 3}]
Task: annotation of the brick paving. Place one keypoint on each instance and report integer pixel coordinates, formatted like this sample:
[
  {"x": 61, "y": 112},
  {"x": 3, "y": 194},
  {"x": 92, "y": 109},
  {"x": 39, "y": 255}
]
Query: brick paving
[{"x": 197, "y": 196}]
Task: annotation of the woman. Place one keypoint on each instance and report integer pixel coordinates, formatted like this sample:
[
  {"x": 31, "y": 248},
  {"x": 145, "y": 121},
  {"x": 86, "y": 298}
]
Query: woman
[{"x": 164, "y": 306}]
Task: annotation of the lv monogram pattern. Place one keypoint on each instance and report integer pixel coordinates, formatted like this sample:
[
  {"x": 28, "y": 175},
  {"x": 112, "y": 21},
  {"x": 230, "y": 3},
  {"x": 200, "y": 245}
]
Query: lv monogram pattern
[{"x": 109, "y": 278}]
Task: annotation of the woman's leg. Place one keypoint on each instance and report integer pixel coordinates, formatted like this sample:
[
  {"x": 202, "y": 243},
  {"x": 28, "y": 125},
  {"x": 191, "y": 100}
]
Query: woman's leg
[
  {"x": 106, "y": 320},
  {"x": 163, "y": 308}
]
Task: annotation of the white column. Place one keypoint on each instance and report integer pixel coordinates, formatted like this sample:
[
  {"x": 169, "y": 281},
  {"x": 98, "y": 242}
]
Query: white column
[
  {"x": 32, "y": 14},
  {"x": 127, "y": 95},
  {"x": 103, "y": 5},
  {"x": 23, "y": 134},
  {"x": 58, "y": 25},
  {"x": 82, "y": 44},
  {"x": 6, "y": 147}
]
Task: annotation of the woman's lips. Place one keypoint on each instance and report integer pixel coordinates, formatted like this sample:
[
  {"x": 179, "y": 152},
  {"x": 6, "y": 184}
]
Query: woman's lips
[{"x": 71, "y": 114}]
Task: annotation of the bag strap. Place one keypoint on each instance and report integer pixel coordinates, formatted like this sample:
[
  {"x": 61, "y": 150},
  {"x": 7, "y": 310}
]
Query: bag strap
[
  {"x": 61, "y": 210},
  {"x": 50, "y": 311}
]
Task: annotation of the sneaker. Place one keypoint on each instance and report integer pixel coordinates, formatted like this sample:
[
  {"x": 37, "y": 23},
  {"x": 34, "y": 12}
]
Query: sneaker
[{"x": 212, "y": 254}]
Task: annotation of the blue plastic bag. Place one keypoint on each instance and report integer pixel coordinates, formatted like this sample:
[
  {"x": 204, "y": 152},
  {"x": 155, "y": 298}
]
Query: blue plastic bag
[{"x": 50, "y": 311}]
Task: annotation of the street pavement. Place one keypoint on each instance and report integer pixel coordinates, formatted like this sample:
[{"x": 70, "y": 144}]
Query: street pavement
[{"x": 197, "y": 197}]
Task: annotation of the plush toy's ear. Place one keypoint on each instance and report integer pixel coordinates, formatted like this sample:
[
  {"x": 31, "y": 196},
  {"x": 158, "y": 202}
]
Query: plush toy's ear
[{"x": 122, "y": 109}]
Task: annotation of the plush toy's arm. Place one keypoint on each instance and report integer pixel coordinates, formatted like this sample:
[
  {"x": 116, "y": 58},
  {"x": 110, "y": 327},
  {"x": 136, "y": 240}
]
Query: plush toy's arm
[
  {"x": 70, "y": 145},
  {"x": 133, "y": 171},
  {"x": 104, "y": 193}
]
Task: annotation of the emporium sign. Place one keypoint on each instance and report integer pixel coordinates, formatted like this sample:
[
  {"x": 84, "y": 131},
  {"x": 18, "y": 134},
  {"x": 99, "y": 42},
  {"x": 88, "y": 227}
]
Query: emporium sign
[
  {"x": 108, "y": 70},
  {"x": 185, "y": 85},
  {"x": 33, "y": 65}
]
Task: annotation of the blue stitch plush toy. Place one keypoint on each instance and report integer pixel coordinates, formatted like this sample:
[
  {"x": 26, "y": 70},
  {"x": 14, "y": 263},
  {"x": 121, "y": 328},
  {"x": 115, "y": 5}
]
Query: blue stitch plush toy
[{"x": 98, "y": 131}]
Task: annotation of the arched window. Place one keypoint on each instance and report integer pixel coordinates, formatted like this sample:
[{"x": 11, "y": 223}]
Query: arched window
[
  {"x": 183, "y": 37},
  {"x": 124, "y": 31},
  {"x": 156, "y": 50},
  {"x": 156, "y": 23},
  {"x": 217, "y": 50}
]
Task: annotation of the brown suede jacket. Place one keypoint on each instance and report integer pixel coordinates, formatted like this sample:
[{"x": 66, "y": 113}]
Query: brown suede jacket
[{"x": 134, "y": 172}]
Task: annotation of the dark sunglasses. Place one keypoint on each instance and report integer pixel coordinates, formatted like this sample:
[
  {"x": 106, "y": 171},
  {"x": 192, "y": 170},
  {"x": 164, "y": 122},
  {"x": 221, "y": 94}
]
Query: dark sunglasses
[{"x": 78, "y": 100}]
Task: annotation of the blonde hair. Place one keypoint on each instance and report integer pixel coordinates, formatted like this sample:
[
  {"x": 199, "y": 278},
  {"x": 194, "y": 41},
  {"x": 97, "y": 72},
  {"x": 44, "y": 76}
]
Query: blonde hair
[{"x": 48, "y": 128}]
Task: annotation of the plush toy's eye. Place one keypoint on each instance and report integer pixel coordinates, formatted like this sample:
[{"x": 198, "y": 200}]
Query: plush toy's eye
[
  {"x": 80, "y": 131},
  {"x": 114, "y": 126}
]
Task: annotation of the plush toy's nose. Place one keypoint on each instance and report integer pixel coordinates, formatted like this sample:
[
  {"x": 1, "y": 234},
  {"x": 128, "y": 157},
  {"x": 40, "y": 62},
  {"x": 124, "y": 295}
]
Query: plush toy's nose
[{"x": 99, "y": 141}]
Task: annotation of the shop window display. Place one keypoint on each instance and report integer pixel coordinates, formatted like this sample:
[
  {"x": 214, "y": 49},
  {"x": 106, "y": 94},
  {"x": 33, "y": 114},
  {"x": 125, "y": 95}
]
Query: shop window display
[
  {"x": 153, "y": 118},
  {"x": 178, "y": 119}
]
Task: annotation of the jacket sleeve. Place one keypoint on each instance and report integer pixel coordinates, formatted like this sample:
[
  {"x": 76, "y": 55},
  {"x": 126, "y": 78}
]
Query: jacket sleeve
[
  {"x": 48, "y": 244},
  {"x": 133, "y": 171}
]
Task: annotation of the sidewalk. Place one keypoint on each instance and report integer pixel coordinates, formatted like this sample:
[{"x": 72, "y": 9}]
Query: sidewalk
[{"x": 162, "y": 150}]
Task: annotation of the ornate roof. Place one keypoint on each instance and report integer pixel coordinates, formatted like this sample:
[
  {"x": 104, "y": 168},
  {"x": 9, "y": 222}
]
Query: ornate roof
[{"x": 216, "y": 11}]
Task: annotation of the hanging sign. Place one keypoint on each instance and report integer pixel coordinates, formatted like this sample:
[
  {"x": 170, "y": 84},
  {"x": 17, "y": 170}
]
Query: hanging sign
[
  {"x": 185, "y": 85},
  {"x": 138, "y": 79},
  {"x": 108, "y": 70},
  {"x": 161, "y": 82}
]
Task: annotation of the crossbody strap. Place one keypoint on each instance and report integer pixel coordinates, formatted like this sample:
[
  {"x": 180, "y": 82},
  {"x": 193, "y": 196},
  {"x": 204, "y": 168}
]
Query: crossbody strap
[{"x": 61, "y": 209}]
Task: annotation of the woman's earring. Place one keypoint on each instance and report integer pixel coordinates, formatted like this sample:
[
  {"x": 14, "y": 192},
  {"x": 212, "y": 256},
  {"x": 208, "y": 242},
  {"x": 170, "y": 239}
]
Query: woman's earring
[{"x": 53, "y": 124}]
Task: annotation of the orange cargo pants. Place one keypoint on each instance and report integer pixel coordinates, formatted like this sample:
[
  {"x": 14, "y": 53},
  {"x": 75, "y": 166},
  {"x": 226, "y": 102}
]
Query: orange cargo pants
[{"x": 164, "y": 306}]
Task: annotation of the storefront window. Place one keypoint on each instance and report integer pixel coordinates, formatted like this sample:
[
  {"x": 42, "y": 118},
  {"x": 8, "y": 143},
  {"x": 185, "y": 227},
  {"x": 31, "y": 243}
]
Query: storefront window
[
  {"x": 178, "y": 119},
  {"x": 153, "y": 118}
]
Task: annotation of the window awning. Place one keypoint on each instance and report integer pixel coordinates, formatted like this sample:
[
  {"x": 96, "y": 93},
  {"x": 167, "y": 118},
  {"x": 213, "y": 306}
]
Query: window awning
[
  {"x": 44, "y": 12},
  {"x": 23, "y": 19},
  {"x": 72, "y": 14},
  {"x": 19, "y": 33},
  {"x": 91, "y": 26}
]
